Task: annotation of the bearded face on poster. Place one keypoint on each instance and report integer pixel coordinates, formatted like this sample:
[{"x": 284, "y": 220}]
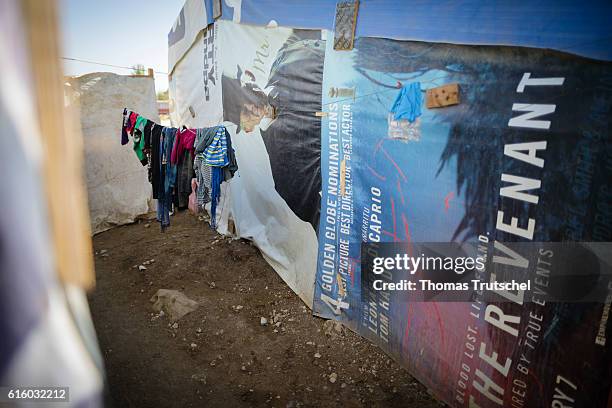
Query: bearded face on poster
[{"x": 283, "y": 113}]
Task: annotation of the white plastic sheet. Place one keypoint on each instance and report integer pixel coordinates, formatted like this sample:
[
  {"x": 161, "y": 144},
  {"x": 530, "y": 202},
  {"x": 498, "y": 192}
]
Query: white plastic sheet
[{"x": 117, "y": 183}]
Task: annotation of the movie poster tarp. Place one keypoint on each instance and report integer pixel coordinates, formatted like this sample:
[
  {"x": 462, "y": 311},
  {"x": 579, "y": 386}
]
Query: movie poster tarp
[
  {"x": 585, "y": 27},
  {"x": 523, "y": 113},
  {"x": 271, "y": 80}
]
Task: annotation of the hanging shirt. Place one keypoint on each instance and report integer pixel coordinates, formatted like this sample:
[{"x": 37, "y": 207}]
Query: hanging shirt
[
  {"x": 216, "y": 153},
  {"x": 204, "y": 137},
  {"x": 184, "y": 140},
  {"x": 408, "y": 103},
  {"x": 147, "y": 135},
  {"x": 184, "y": 174},
  {"x": 169, "y": 169},
  {"x": 156, "y": 135},
  {"x": 139, "y": 139},
  {"x": 131, "y": 123}
]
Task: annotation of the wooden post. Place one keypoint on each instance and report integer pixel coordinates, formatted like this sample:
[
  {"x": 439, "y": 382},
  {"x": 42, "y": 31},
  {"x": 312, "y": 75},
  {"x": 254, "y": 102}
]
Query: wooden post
[
  {"x": 63, "y": 149},
  {"x": 150, "y": 72}
]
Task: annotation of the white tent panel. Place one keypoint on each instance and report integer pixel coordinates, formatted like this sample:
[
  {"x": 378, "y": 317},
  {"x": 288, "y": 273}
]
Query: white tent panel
[
  {"x": 117, "y": 184},
  {"x": 195, "y": 88}
]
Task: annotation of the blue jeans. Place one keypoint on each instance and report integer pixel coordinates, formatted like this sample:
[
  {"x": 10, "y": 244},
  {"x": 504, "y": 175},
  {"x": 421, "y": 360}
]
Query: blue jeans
[{"x": 164, "y": 202}]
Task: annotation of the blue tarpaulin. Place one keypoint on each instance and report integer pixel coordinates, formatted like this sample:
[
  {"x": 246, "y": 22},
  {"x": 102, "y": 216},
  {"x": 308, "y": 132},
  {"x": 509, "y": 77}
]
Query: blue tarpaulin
[{"x": 572, "y": 26}]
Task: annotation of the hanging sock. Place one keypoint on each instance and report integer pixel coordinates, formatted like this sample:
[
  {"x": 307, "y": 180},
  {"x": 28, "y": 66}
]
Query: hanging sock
[{"x": 124, "y": 124}]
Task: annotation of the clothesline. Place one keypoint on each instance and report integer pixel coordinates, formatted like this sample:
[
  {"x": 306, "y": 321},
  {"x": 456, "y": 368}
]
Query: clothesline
[
  {"x": 106, "y": 65},
  {"x": 186, "y": 166}
]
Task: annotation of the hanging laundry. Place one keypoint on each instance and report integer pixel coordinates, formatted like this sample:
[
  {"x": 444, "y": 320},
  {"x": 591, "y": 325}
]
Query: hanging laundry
[
  {"x": 216, "y": 179},
  {"x": 170, "y": 169},
  {"x": 205, "y": 137},
  {"x": 127, "y": 128},
  {"x": 409, "y": 101},
  {"x": 132, "y": 123},
  {"x": 182, "y": 157},
  {"x": 215, "y": 162},
  {"x": 232, "y": 167},
  {"x": 124, "y": 123},
  {"x": 146, "y": 136},
  {"x": 155, "y": 163},
  {"x": 216, "y": 156},
  {"x": 203, "y": 180},
  {"x": 153, "y": 144},
  {"x": 185, "y": 139},
  {"x": 167, "y": 178},
  {"x": 216, "y": 153},
  {"x": 182, "y": 163},
  {"x": 139, "y": 139},
  {"x": 183, "y": 180}
]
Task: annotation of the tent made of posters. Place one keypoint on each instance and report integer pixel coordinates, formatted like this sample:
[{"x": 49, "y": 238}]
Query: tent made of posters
[
  {"x": 274, "y": 198},
  {"x": 316, "y": 148}
]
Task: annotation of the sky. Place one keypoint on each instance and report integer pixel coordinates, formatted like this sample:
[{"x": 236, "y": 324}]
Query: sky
[{"x": 116, "y": 32}]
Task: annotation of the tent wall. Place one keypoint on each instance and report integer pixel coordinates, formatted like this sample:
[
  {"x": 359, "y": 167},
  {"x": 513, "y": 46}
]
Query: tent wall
[
  {"x": 193, "y": 17},
  {"x": 440, "y": 183},
  {"x": 194, "y": 86},
  {"x": 585, "y": 27},
  {"x": 251, "y": 205},
  {"x": 117, "y": 184},
  {"x": 444, "y": 182}
]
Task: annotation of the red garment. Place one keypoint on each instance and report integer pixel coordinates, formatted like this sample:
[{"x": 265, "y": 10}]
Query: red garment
[
  {"x": 184, "y": 140},
  {"x": 131, "y": 123}
]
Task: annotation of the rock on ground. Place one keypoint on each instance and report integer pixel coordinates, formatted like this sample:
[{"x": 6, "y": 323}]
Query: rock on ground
[
  {"x": 174, "y": 303},
  {"x": 333, "y": 328}
]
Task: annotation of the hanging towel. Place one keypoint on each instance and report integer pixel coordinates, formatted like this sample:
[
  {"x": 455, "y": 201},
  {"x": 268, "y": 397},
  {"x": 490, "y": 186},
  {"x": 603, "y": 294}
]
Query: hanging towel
[{"x": 408, "y": 103}]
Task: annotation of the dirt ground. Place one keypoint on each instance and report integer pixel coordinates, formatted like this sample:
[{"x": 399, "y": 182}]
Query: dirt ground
[{"x": 220, "y": 355}]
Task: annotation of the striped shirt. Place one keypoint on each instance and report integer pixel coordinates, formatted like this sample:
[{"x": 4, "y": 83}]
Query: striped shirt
[{"x": 216, "y": 153}]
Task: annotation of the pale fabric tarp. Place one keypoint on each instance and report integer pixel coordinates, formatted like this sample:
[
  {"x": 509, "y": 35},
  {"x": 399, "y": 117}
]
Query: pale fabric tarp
[
  {"x": 260, "y": 214},
  {"x": 250, "y": 200},
  {"x": 47, "y": 334},
  {"x": 191, "y": 20},
  {"x": 117, "y": 184},
  {"x": 195, "y": 83}
]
